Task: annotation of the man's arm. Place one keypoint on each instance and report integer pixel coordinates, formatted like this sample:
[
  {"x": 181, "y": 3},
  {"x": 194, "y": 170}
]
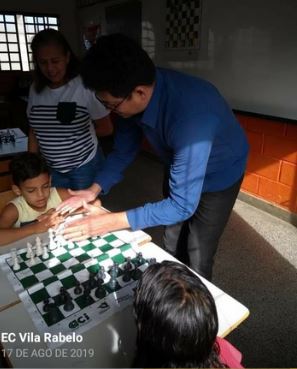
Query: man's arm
[
  {"x": 126, "y": 145},
  {"x": 191, "y": 146},
  {"x": 127, "y": 141},
  {"x": 187, "y": 172}
]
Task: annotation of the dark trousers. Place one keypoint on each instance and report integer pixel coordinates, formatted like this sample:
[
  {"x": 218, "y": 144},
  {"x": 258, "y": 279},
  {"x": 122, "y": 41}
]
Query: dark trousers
[{"x": 195, "y": 241}]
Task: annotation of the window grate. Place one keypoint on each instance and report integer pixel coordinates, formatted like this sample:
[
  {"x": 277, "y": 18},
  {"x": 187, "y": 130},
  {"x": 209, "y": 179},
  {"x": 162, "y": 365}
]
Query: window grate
[{"x": 16, "y": 34}]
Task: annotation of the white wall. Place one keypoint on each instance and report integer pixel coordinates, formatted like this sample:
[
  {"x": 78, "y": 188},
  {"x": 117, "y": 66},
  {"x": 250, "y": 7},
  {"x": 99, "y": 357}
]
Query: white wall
[
  {"x": 66, "y": 9},
  {"x": 248, "y": 50}
]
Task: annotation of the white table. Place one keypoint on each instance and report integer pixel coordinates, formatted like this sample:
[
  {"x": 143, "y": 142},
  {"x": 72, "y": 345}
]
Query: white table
[{"x": 112, "y": 340}]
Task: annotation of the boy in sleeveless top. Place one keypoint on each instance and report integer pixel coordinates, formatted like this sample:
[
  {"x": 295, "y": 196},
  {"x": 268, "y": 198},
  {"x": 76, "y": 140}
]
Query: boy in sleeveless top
[{"x": 33, "y": 209}]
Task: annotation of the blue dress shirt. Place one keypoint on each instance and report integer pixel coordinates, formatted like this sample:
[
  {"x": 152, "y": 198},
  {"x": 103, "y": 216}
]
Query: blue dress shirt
[{"x": 193, "y": 130}]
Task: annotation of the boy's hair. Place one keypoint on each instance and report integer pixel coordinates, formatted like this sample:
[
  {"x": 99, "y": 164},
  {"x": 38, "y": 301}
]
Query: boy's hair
[
  {"x": 52, "y": 37},
  {"x": 26, "y": 166},
  {"x": 117, "y": 64},
  {"x": 176, "y": 318}
]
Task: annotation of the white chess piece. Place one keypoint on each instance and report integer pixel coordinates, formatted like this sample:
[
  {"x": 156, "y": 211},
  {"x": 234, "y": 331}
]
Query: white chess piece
[
  {"x": 13, "y": 254},
  {"x": 32, "y": 260},
  {"x": 16, "y": 265},
  {"x": 52, "y": 244},
  {"x": 45, "y": 254},
  {"x": 70, "y": 245},
  {"x": 39, "y": 248},
  {"x": 29, "y": 250},
  {"x": 15, "y": 261}
]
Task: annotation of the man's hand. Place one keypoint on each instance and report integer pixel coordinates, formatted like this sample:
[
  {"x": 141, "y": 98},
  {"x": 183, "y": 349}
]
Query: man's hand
[
  {"x": 90, "y": 209},
  {"x": 95, "y": 225},
  {"x": 76, "y": 201}
]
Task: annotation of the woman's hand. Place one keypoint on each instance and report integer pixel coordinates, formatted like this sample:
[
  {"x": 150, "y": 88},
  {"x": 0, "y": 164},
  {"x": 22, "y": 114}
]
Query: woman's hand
[{"x": 76, "y": 200}]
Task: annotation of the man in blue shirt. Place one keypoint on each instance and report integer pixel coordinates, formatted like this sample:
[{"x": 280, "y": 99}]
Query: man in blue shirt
[{"x": 191, "y": 128}]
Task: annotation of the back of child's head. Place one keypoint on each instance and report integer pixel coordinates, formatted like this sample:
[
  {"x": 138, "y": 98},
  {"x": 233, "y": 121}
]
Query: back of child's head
[
  {"x": 176, "y": 318},
  {"x": 27, "y": 165}
]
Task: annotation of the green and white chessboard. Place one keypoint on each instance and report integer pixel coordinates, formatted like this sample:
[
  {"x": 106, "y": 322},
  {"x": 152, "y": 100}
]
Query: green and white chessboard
[{"x": 64, "y": 268}]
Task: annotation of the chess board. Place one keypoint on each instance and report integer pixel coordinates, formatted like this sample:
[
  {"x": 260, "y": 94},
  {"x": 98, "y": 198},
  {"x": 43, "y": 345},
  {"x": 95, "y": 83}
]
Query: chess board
[
  {"x": 183, "y": 18},
  {"x": 65, "y": 268}
]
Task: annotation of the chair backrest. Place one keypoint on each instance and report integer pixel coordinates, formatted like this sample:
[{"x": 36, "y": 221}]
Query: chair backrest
[{"x": 5, "y": 197}]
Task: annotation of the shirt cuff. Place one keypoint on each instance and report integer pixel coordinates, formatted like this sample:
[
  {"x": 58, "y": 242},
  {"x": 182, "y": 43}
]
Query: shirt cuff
[
  {"x": 104, "y": 183},
  {"x": 135, "y": 219}
]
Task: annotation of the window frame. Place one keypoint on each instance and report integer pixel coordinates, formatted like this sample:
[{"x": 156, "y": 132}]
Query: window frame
[{"x": 25, "y": 62}]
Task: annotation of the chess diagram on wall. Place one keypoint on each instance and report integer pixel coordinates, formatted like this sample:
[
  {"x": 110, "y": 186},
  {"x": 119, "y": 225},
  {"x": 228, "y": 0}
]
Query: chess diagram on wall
[{"x": 183, "y": 19}]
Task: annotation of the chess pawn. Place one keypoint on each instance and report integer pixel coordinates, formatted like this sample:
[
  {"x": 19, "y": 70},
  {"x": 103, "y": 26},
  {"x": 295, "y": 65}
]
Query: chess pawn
[
  {"x": 70, "y": 245},
  {"x": 45, "y": 254},
  {"x": 16, "y": 265},
  {"x": 13, "y": 254},
  {"x": 32, "y": 261},
  {"x": 29, "y": 250},
  {"x": 39, "y": 249},
  {"x": 101, "y": 273}
]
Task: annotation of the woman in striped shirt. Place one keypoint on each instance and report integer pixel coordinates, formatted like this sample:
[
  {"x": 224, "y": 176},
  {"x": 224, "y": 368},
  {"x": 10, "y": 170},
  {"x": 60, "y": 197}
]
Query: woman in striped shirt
[{"x": 63, "y": 115}]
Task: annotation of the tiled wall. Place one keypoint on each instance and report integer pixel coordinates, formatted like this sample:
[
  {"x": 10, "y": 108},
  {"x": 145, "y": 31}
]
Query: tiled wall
[{"x": 271, "y": 172}]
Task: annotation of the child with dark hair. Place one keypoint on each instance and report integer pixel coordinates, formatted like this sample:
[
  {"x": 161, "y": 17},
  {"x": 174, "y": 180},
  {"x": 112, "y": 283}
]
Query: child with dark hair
[
  {"x": 32, "y": 211},
  {"x": 177, "y": 322}
]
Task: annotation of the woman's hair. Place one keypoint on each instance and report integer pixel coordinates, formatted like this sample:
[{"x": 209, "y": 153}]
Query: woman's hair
[
  {"x": 176, "y": 319},
  {"x": 117, "y": 64},
  {"x": 52, "y": 37},
  {"x": 27, "y": 165}
]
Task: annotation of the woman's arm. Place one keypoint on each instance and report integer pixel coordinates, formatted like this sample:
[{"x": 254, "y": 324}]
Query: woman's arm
[
  {"x": 33, "y": 145},
  {"x": 103, "y": 126}
]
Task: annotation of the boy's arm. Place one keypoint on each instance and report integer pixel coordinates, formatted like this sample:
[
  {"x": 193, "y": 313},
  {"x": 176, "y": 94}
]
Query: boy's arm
[{"x": 8, "y": 234}]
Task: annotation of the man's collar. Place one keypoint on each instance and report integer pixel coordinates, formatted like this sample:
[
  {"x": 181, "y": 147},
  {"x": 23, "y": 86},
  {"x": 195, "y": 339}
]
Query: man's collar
[{"x": 151, "y": 113}]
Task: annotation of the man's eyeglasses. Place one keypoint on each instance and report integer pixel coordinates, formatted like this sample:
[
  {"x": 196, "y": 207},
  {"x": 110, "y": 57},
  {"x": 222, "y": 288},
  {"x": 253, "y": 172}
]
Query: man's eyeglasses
[{"x": 109, "y": 106}]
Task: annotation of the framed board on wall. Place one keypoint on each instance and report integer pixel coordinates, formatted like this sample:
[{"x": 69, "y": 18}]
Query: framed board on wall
[{"x": 183, "y": 18}]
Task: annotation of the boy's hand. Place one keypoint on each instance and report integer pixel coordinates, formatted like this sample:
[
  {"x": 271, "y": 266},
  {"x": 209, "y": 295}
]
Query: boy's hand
[
  {"x": 48, "y": 220},
  {"x": 45, "y": 215}
]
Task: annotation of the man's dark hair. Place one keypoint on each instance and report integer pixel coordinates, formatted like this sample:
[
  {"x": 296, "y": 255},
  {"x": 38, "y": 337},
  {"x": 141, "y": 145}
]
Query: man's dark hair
[
  {"x": 117, "y": 64},
  {"x": 52, "y": 37},
  {"x": 176, "y": 319},
  {"x": 27, "y": 166}
]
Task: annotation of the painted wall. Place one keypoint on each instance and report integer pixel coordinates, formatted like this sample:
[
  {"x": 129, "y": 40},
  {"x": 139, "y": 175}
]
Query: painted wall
[
  {"x": 66, "y": 9},
  {"x": 271, "y": 172}
]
